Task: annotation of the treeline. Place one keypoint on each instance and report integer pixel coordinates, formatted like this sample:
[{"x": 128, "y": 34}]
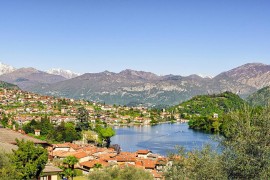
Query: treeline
[
  {"x": 27, "y": 162},
  {"x": 245, "y": 151},
  {"x": 65, "y": 132},
  {"x": 206, "y": 112},
  {"x": 99, "y": 134}
]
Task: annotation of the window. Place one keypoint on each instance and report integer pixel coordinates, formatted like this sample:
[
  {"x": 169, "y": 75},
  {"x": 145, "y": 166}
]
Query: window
[{"x": 44, "y": 178}]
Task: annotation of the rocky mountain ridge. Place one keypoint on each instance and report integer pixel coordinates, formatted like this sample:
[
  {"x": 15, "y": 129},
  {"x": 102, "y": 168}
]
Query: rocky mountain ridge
[
  {"x": 27, "y": 77},
  {"x": 139, "y": 87}
]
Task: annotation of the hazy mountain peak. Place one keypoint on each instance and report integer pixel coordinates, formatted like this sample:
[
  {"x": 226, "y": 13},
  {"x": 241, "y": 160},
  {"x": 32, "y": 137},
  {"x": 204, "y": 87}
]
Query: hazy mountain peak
[
  {"x": 252, "y": 65},
  {"x": 65, "y": 73},
  {"x": 131, "y": 86},
  {"x": 249, "y": 69},
  {"x": 253, "y": 74},
  {"x": 141, "y": 74},
  {"x": 28, "y": 70},
  {"x": 108, "y": 73},
  {"x": 4, "y": 68}
]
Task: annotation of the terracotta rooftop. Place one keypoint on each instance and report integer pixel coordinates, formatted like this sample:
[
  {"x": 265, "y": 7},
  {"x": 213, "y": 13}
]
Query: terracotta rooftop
[
  {"x": 107, "y": 157},
  {"x": 60, "y": 146},
  {"x": 123, "y": 158},
  {"x": 74, "y": 146},
  {"x": 91, "y": 164},
  {"x": 80, "y": 155},
  {"x": 68, "y": 145},
  {"x": 143, "y": 151},
  {"x": 149, "y": 164},
  {"x": 63, "y": 154}
]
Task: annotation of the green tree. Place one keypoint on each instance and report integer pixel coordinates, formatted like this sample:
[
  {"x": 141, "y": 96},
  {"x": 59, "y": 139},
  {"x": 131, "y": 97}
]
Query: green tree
[
  {"x": 90, "y": 136},
  {"x": 7, "y": 170},
  {"x": 4, "y": 121},
  {"x": 68, "y": 166},
  {"x": 30, "y": 127},
  {"x": 64, "y": 132},
  {"x": 246, "y": 152},
  {"x": 245, "y": 155},
  {"x": 113, "y": 173},
  {"x": 105, "y": 134},
  {"x": 70, "y": 134},
  {"x": 45, "y": 126},
  {"x": 82, "y": 117},
  {"x": 29, "y": 160},
  {"x": 197, "y": 164}
]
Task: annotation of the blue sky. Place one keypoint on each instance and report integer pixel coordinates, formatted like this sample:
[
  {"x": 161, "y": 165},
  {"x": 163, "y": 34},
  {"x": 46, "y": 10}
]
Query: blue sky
[{"x": 162, "y": 36}]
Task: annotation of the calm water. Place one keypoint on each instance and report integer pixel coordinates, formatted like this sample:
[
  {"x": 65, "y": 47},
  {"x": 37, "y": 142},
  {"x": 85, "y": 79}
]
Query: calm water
[{"x": 161, "y": 138}]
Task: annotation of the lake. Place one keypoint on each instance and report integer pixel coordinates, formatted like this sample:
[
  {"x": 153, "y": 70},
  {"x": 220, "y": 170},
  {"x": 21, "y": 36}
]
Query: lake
[{"x": 161, "y": 138}]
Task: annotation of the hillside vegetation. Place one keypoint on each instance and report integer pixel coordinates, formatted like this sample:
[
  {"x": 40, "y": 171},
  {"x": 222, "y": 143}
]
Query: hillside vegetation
[
  {"x": 205, "y": 112},
  {"x": 245, "y": 150},
  {"x": 8, "y": 85},
  {"x": 260, "y": 98}
]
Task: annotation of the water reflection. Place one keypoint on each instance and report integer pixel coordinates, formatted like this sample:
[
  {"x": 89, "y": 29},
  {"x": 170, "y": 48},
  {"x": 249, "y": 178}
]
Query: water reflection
[{"x": 161, "y": 138}]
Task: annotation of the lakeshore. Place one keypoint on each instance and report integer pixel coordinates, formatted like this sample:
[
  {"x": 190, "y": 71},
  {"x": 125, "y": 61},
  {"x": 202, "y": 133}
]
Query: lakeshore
[{"x": 161, "y": 138}]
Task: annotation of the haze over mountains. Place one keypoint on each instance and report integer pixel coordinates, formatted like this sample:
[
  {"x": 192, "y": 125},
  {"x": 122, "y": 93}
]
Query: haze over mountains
[
  {"x": 65, "y": 73},
  {"x": 27, "y": 77},
  {"x": 4, "y": 68},
  {"x": 131, "y": 87}
]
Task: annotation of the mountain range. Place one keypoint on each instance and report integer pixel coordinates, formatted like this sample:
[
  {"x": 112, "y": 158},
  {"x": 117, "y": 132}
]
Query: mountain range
[
  {"x": 68, "y": 74},
  {"x": 131, "y": 87}
]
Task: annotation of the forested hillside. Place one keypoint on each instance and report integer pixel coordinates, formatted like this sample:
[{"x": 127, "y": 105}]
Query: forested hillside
[
  {"x": 260, "y": 98},
  {"x": 205, "y": 112}
]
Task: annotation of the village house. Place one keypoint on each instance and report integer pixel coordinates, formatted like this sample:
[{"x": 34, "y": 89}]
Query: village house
[
  {"x": 50, "y": 172},
  {"x": 143, "y": 153},
  {"x": 88, "y": 166}
]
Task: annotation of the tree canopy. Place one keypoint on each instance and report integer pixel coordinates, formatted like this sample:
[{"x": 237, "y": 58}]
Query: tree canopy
[
  {"x": 68, "y": 166},
  {"x": 82, "y": 117},
  {"x": 206, "y": 112},
  {"x": 113, "y": 173},
  {"x": 29, "y": 160},
  {"x": 245, "y": 150}
]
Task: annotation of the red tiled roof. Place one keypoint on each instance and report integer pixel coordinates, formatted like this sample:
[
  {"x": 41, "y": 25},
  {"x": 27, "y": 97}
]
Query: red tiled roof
[
  {"x": 106, "y": 157},
  {"x": 65, "y": 145},
  {"x": 74, "y": 146},
  {"x": 80, "y": 155},
  {"x": 139, "y": 163},
  {"x": 125, "y": 157},
  {"x": 91, "y": 164},
  {"x": 90, "y": 150},
  {"x": 143, "y": 151},
  {"x": 148, "y": 164},
  {"x": 62, "y": 154},
  {"x": 68, "y": 145}
]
